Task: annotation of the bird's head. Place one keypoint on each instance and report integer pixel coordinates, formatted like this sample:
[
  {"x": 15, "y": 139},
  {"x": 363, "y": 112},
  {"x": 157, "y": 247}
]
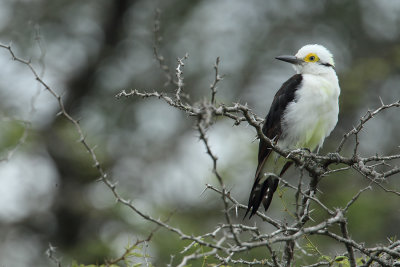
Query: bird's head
[{"x": 311, "y": 59}]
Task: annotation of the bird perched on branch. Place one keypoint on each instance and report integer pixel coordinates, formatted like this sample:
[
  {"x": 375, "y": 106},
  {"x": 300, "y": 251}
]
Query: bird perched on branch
[{"x": 303, "y": 113}]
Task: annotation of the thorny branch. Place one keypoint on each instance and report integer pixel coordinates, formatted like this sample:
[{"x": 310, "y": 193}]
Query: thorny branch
[
  {"x": 227, "y": 242},
  {"x": 157, "y": 40},
  {"x": 201, "y": 128},
  {"x": 345, "y": 233},
  {"x": 129, "y": 250},
  {"x": 26, "y": 123},
  {"x": 217, "y": 78},
  {"x": 317, "y": 166},
  {"x": 50, "y": 254},
  {"x": 363, "y": 120},
  {"x": 179, "y": 76}
]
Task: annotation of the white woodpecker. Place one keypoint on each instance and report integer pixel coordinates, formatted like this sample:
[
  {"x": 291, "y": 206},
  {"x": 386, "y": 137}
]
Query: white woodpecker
[{"x": 303, "y": 113}]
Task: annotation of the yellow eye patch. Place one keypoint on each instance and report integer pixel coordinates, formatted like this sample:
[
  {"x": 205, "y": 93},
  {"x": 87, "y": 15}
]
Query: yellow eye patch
[{"x": 312, "y": 57}]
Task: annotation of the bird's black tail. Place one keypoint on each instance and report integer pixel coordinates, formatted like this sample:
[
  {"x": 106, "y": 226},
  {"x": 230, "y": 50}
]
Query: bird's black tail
[{"x": 262, "y": 191}]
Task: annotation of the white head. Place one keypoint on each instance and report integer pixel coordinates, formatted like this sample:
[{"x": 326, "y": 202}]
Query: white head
[{"x": 311, "y": 59}]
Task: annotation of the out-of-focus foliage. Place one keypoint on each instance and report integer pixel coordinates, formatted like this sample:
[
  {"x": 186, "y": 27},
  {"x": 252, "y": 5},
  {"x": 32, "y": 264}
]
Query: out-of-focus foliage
[{"x": 90, "y": 50}]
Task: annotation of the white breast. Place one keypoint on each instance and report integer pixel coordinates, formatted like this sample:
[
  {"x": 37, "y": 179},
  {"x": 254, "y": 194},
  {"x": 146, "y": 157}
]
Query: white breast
[{"x": 312, "y": 116}]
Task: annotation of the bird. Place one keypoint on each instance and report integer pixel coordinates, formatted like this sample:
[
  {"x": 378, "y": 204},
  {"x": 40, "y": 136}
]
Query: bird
[{"x": 303, "y": 113}]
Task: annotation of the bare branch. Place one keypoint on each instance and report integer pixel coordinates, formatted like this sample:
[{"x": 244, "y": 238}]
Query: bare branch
[
  {"x": 157, "y": 41},
  {"x": 201, "y": 128},
  {"x": 363, "y": 120},
  {"x": 50, "y": 254},
  {"x": 227, "y": 241},
  {"x": 345, "y": 233},
  {"x": 179, "y": 76},
  {"x": 217, "y": 78}
]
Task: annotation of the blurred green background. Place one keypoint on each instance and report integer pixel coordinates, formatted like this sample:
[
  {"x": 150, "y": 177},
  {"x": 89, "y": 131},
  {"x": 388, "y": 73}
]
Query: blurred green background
[{"x": 88, "y": 51}]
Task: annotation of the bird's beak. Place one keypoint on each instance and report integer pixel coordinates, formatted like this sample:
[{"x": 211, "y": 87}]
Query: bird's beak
[{"x": 290, "y": 59}]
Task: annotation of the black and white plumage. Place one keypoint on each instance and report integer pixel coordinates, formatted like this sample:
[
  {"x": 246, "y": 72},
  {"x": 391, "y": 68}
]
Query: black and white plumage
[{"x": 303, "y": 113}]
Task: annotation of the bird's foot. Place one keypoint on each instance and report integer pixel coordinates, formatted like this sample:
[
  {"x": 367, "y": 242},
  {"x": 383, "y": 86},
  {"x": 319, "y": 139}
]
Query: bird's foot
[
  {"x": 334, "y": 157},
  {"x": 298, "y": 151}
]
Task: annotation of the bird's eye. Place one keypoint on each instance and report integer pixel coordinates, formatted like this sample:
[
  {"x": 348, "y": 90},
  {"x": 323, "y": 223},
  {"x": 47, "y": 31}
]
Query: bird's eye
[{"x": 312, "y": 57}]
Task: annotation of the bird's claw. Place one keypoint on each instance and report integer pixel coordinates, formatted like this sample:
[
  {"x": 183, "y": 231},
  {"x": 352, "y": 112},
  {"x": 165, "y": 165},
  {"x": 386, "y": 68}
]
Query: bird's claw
[
  {"x": 298, "y": 151},
  {"x": 334, "y": 156}
]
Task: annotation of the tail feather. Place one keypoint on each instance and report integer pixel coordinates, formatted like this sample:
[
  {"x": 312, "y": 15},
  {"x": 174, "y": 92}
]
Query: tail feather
[{"x": 262, "y": 192}]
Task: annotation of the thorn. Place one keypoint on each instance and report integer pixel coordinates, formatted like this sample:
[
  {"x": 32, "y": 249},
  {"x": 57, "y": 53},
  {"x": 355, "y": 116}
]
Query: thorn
[
  {"x": 381, "y": 101},
  {"x": 52, "y": 248},
  {"x": 113, "y": 185},
  {"x": 205, "y": 189}
]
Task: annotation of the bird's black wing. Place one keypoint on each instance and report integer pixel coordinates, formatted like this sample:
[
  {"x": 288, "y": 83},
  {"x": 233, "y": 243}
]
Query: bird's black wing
[
  {"x": 263, "y": 189},
  {"x": 272, "y": 127}
]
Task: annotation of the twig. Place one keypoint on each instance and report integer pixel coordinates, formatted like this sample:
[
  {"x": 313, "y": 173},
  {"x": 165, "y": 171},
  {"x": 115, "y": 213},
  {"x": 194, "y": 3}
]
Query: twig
[
  {"x": 50, "y": 254},
  {"x": 157, "y": 40},
  {"x": 229, "y": 239},
  {"x": 179, "y": 76},
  {"x": 364, "y": 119},
  {"x": 203, "y": 137},
  {"x": 217, "y": 78},
  {"x": 345, "y": 233}
]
